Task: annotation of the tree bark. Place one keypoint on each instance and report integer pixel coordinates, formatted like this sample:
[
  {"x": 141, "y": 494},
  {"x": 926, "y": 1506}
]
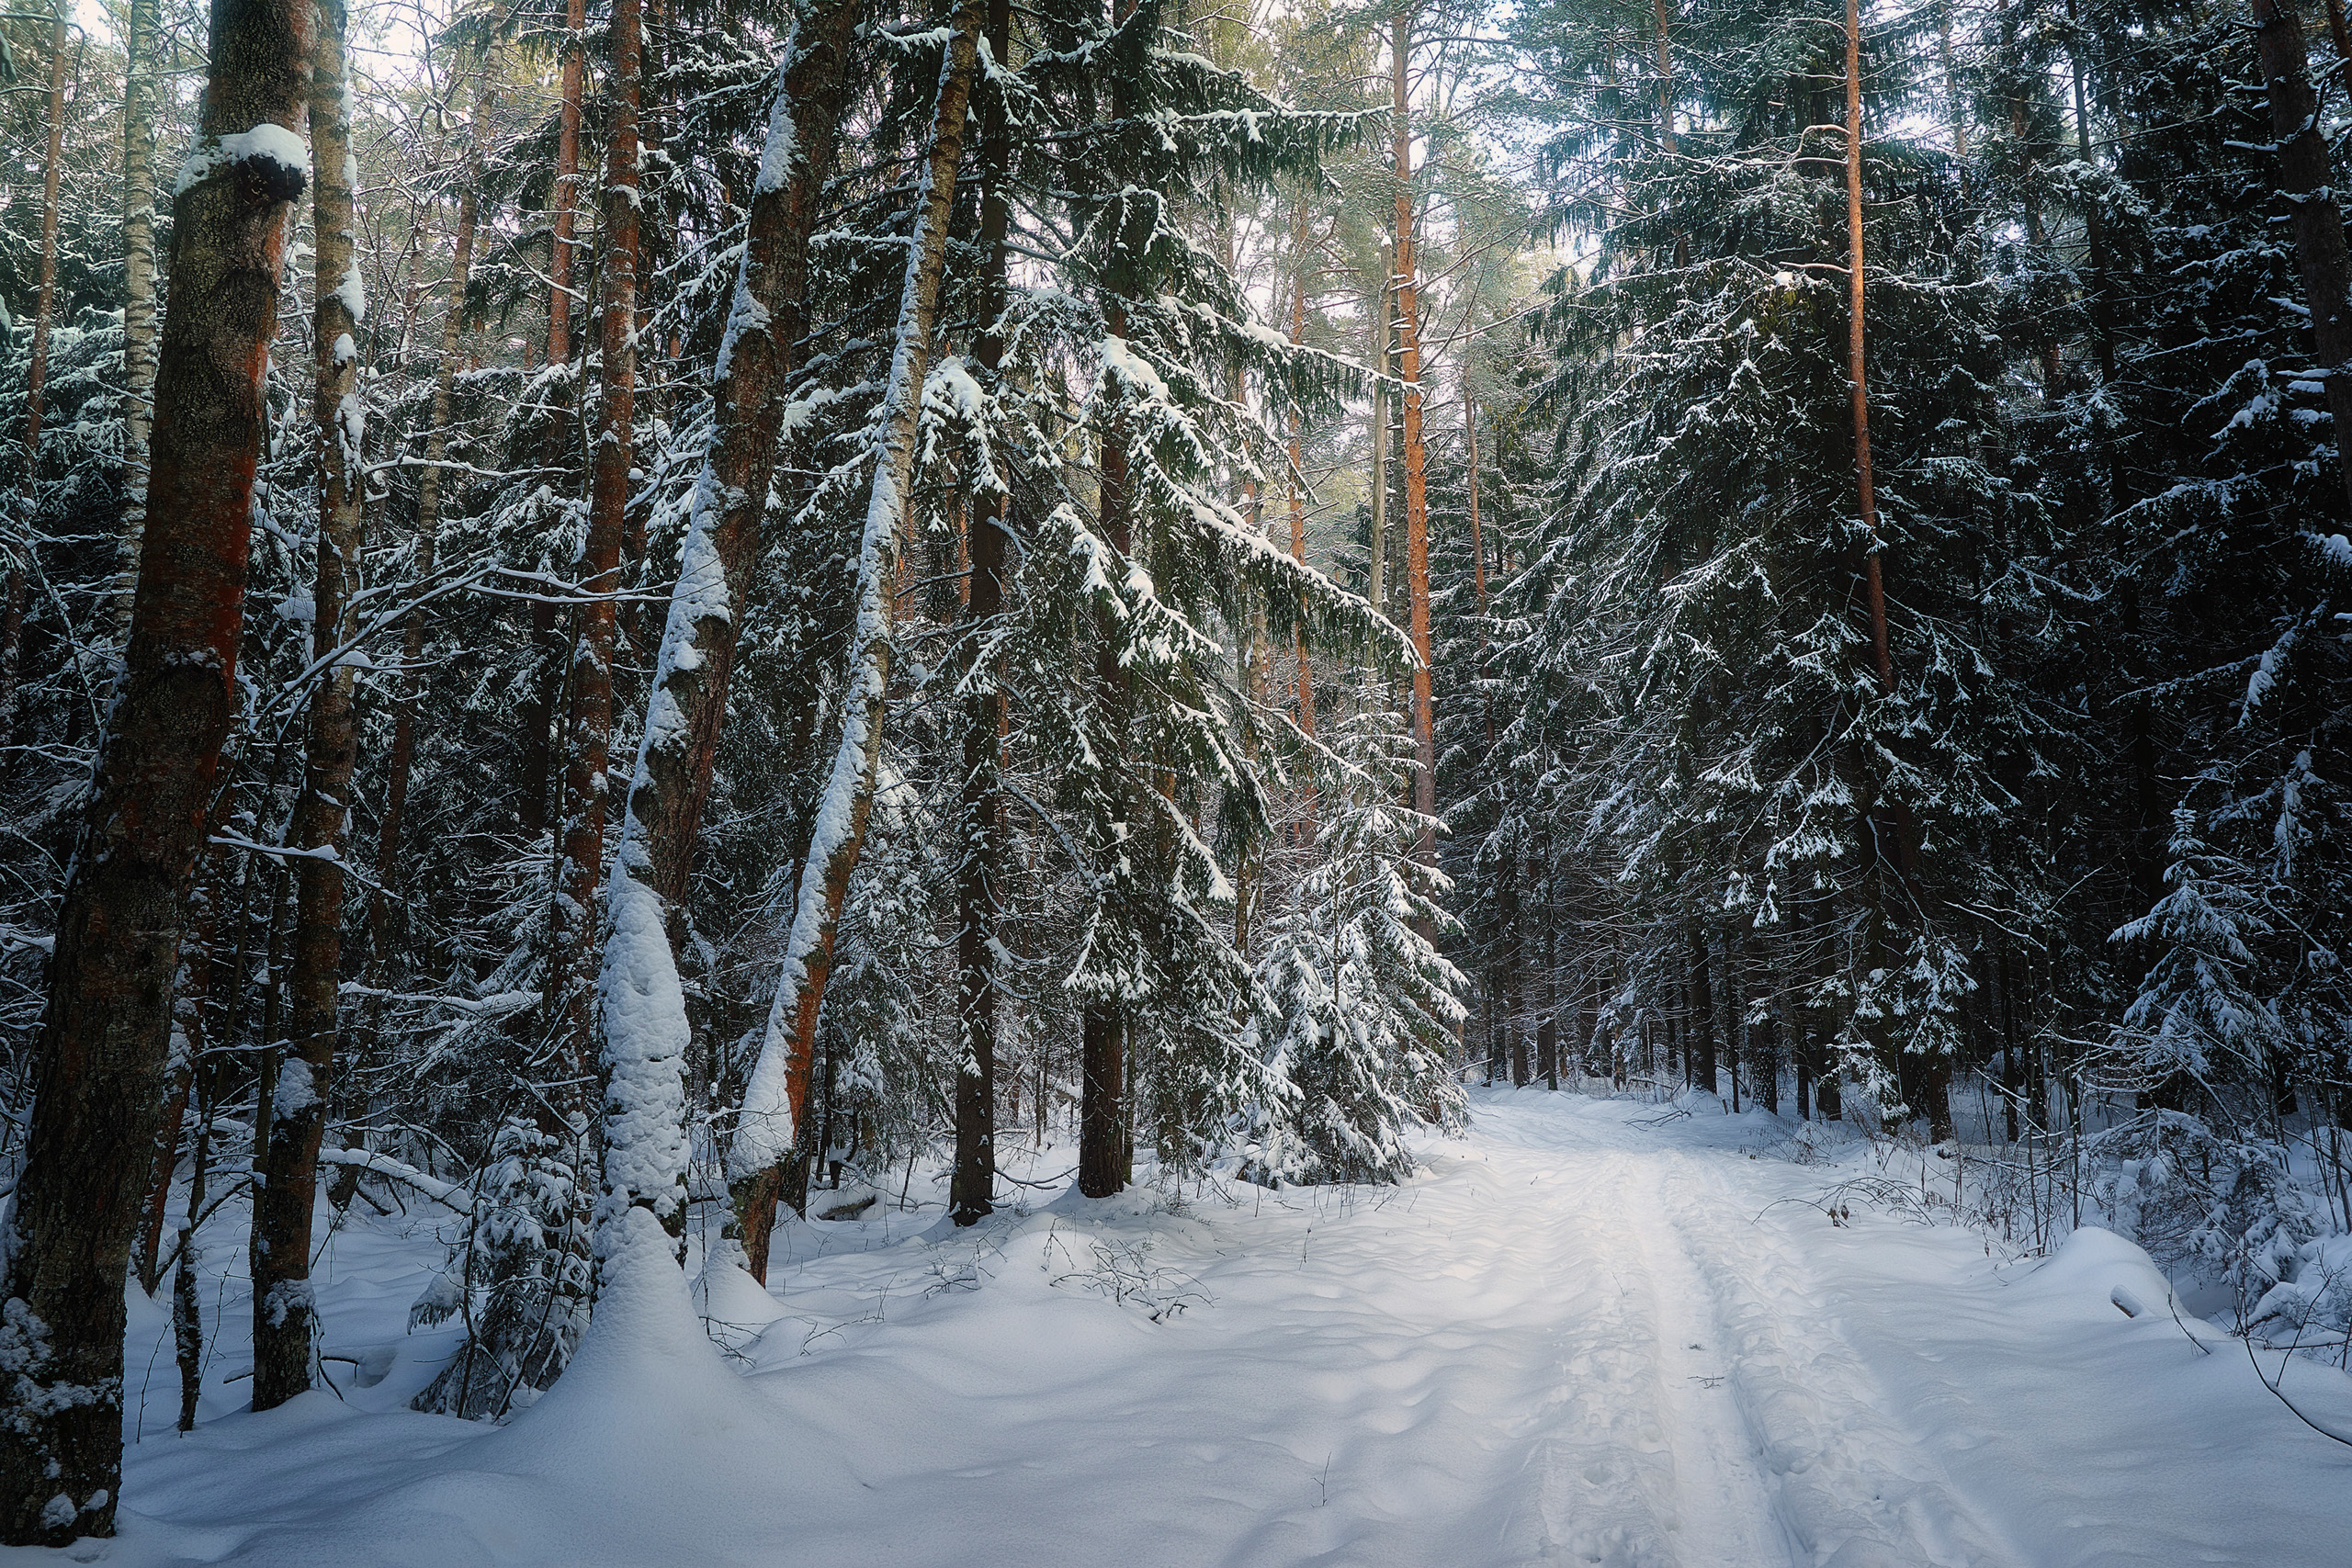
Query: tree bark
[
  {"x": 1382, "y": 334},
  {"x": 1477, "y": 548},
  {"x": 1855, "y": 334},
  {"x": 644, "y": 1099},
  {"x": 972, "y": 1190},
  {"x": 138, "y": 292},
  {"x": 777, "y": 1096},
  {"x": 1298, "y": 507},
  {"x": 672, "y": 780},
  {"x": 285, "y": 1316},
  {"x": 1417, "y": 500},
  {"x": 2305, "y": 175},
  {"x": 563, "y": 246},
  {"x": 90, "y": 1144}
]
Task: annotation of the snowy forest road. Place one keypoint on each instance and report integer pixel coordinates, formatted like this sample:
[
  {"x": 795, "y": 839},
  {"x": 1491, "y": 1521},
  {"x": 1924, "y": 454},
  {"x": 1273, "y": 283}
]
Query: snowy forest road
[{"x": 1590, "y": 1332}]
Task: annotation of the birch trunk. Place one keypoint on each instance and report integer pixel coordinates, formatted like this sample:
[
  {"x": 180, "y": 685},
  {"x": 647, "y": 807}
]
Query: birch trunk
[
  {"x": 138, "y": 293},
  {"x": 96, "y": 1101}
]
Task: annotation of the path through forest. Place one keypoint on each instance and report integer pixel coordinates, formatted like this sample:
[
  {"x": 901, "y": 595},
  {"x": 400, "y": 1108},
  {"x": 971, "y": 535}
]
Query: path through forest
[{"x": 1593, "y": 1332}]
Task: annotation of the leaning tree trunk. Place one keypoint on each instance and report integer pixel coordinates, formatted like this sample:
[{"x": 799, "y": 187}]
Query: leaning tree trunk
[
  {"x": 285, "y": 1316},
  {"x": 19, "y": 566},
  {"x": 1417, "y": 495},
  {"x": 138, "y": 292},
  {"x": 400, "y": 760},
  {"x": 777, "y": 1095},
  {"x": 2305, "y": 179},
  {"x": 688, "y": 704},
  {"x": 972, "y": 1190},
  {"x": 643, "y": 1100},
  {"x": 96, "y": 1097}
]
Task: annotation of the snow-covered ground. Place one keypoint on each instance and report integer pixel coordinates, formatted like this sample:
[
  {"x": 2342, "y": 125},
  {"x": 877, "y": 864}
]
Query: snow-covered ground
[{"x": 1591, "y": 1332}]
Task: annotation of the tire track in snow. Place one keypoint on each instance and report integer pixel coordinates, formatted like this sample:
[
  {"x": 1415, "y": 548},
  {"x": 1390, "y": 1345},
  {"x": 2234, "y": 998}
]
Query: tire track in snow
[
  {"x": 1726, "y": 1506},
  {"x": 1855, "y": 1489}
]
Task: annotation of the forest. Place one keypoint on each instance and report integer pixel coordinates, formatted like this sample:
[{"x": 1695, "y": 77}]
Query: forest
[{"x": 678, "y": 676}]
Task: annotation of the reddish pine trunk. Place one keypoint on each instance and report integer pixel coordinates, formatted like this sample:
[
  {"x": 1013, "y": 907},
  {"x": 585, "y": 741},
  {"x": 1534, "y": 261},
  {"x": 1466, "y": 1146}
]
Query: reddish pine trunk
[
  {"x": 588, "y": 728},
  {"x": 1417, "y": 500},
  {"x": 91, "y": 1140},
  {"x": 285, "y": 1318}
]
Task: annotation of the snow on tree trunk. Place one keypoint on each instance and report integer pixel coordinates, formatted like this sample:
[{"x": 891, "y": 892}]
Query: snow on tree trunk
[
  {"x": 285, "y": 1318},
  {"x": 778, "y": 1094},
  {"x": 688, "y": 706},
  {"x": 644, "y": 1109},
  {"x": 103, "y": 1038}
]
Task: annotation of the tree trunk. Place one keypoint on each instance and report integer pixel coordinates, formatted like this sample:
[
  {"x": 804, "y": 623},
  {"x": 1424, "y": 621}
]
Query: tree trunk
[
  {"x": 2304, "y": 175},
  {"x": 563, "y": 248},
  {"x": 91, "y": 1138},
  {"x": 1299, "y": 508},
  {"x": 670, "y": 783},
  {"x": 1867, "y": 498},
  {"x": 400, "y": 761},
  {"x": 1376, "y": 571},
  {"x": 972, "y": 1190},
  {"x": 1477, "y": 547},
  {"x": 138, "y": 292},
  {"x": 1417, "y": 500},
  {"x": 777, "y": 1095},
  {"x": 19, "y": 565},
  {"x": 547, "y": 691},
  {"x": 1703, "y": 1010},
  {"x": 285, "y": 1316},
  {"x": 644, "y": 1110},
  {"x": 1665, "y": 77}
]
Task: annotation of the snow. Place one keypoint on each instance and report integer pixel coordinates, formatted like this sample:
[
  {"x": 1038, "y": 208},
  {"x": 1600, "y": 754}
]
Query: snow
[
  {"x": 1593, "y": 1331},
  {"x": 267, "y": 143},
  {"x": 352, "y": 292}
]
